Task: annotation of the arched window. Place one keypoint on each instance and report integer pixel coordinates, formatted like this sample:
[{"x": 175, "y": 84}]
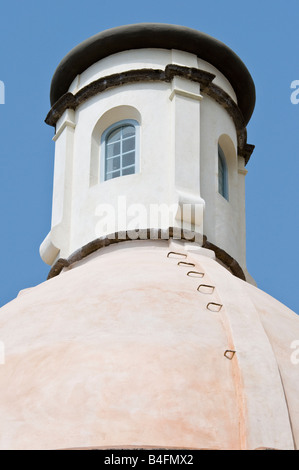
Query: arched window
[
  {"x": 222, "y": 174},
  {"x": 120, "y": 149}
]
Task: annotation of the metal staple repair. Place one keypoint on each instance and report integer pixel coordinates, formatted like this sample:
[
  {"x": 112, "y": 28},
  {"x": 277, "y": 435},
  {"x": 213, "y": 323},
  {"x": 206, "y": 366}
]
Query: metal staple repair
[
  {"x": 184, "y": 263},
  {"x": 231, "y": 352},
  {"x": 177, "y": 254},
  {"x": 218, "y": 307},
  {"x": 207, "y": 287},
  {"x": 195, "y": 274}
]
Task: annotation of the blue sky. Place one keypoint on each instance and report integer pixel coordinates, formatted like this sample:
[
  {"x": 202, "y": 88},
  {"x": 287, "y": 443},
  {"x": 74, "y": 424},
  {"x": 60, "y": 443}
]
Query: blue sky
[{"x": 35, "y": 36}]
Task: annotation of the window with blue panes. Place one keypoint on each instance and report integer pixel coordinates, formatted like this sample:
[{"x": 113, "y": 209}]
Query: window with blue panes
[{"x": 120, "y": 148}]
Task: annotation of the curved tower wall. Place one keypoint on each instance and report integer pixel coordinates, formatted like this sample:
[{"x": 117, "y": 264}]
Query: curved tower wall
[{"x": 180, "y": 127}]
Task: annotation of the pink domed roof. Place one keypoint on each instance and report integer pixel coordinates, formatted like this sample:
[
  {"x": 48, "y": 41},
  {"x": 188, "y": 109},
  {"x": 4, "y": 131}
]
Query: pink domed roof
[{"x": 134, "y": 348}]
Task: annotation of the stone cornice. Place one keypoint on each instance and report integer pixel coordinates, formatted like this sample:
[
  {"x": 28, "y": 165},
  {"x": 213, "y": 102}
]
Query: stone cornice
[
  {"x": 70, "y": 101},
  {"x": 102, "y": 242}
]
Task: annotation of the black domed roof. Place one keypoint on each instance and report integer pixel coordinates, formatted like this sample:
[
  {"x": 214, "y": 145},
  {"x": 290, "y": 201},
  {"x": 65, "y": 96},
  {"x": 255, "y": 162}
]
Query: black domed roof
[{"x": 162, "y": 36}]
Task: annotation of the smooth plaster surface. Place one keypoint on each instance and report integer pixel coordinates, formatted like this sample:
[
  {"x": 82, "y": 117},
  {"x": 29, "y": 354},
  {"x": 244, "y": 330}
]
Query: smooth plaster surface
[{"x": 121, "y": 350}]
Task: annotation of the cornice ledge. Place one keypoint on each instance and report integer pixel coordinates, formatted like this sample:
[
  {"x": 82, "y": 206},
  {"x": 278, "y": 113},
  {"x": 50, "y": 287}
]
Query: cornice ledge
[
  {"x": 70, "y": 101},
  {"x": 167, "y": 234}
]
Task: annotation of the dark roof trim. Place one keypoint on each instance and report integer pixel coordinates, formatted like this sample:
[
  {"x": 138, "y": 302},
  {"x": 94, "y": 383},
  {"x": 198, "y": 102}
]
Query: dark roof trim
[
  {"x": 162, "y": 36},
  {"x": 166, "y": 234},
  {"x": 70, "y": 101}
]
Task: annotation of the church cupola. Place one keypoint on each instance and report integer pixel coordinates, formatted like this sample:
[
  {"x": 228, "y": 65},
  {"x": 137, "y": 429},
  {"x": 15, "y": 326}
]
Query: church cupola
[{"x": 150, "y": 138}]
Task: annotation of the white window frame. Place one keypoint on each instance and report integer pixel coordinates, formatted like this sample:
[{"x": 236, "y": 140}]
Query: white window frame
[{"x": 106, "y": 133}]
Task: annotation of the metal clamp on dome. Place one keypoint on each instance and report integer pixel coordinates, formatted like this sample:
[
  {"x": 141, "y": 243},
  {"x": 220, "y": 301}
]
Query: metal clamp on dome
[
  {"x": 184, "y": 263},
  {"x": 195, "y": 274},
  {"x": 176, "y": 254},
  {"x": 206, "y": 289},
  {"x": 229, "y": 354},
  {"x": 214, "y": 307}
]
